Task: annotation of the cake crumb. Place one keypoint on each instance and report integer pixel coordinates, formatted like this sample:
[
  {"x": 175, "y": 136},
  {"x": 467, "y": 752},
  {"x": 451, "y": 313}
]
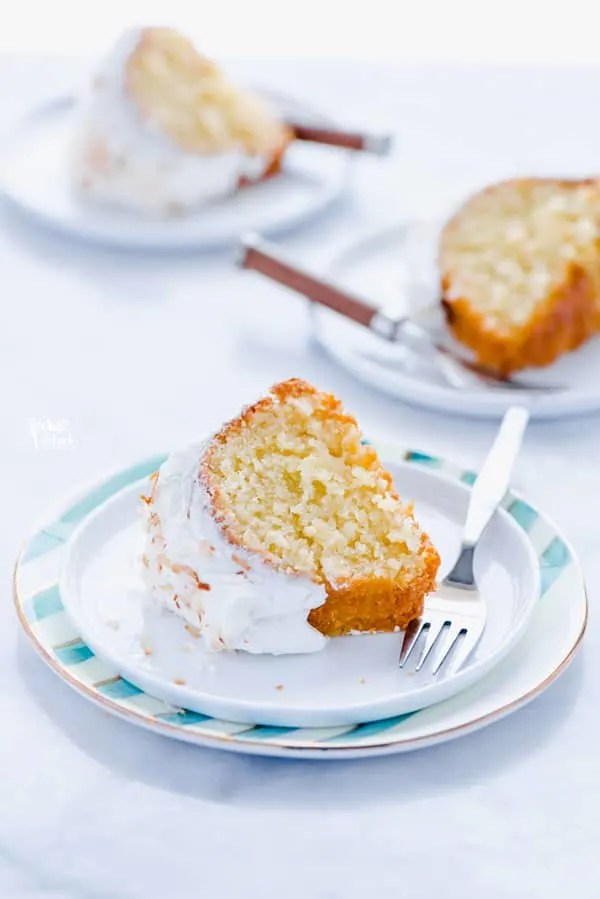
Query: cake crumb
[
  {"x": 147, "y": 650},
  {"x": 179, "y": 681},
  {"x": 239, "y": 561},
  {"x": 192, "y": 631},
  {"x": 188, "y": 647},
  {"x": 279, "y": 687},
  {"x": 113, "y": 623},
  {"x": 362, "y": 681}
]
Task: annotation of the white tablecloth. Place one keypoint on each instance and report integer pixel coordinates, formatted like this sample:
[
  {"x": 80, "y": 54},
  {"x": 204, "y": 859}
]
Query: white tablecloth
[{"x": 145, "y": 353}]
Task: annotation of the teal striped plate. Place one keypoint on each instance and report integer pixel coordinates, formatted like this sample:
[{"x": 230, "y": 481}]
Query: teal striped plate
[{"x": 551, "y": 642}]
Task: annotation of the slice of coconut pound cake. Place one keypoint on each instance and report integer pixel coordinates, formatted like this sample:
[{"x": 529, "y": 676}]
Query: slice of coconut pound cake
[
  {"x": 287, "y": 499},
  {"x": 520, "y": 271},
  {"x": 163, "y": 131}
]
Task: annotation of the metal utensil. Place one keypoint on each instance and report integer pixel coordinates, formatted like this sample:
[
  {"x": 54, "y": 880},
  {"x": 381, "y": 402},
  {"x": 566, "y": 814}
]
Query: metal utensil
[
  {"x": 454, "y": 617},
  {"x": 378, "y": 144},
  {"x": 260, "y": 256},
  {"x": 445, "y": 363}
]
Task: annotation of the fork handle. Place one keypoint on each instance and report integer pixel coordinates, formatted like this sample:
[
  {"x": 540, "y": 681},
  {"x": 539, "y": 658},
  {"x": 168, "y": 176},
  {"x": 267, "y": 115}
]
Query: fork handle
[
  {"x": 493, "y": 480},
  {"x": 379, "y": 144},
  {"x": 260, "y": 256}
]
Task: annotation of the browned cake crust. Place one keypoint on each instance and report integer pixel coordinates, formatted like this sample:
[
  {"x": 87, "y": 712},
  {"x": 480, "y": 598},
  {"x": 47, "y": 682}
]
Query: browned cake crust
[
  {"x": 567, "y": 317},
  {"x": 369, "y": 604},
  {"x": 275, "y": 164},
  {"x": 566, "y": 320},
  {"x": 377, "y": 604}
]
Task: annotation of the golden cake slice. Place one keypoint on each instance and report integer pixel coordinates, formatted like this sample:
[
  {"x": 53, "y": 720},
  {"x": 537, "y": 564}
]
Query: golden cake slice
[
  {"x": 288, "y": 506},
  {"x": 164, "y": 130},
  {"x": 520, "y": 271}
]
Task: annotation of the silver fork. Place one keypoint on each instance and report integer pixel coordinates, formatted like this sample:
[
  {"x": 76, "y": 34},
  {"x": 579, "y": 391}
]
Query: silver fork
[
  {"x": 256, "y": 254},
  {"x": 454, "y": 617}
]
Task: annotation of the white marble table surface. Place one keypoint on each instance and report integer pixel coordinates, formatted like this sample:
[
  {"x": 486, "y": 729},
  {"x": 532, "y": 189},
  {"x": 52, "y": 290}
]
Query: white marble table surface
[{"x": 140, "y": 353}]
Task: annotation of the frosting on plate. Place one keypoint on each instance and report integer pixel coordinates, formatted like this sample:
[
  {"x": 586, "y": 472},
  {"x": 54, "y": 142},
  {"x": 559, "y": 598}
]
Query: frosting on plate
[
  {"x": 233, "y": 599},
  {"x": 122, "y": 159}
]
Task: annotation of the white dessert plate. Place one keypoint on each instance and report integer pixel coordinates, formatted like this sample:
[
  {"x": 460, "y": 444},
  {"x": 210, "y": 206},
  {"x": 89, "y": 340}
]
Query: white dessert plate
[
  {"x": 94, "y": 531},
  {"x": 396, "y": 267},
  {"x": 33, "y": 177},
  {"x": 96, "y": 627},
  {"x": 354, "y": 679}
]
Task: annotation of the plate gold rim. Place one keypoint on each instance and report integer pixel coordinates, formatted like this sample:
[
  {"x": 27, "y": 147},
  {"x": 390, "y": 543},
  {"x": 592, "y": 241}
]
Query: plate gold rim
[{"x": 309, "y": 750}]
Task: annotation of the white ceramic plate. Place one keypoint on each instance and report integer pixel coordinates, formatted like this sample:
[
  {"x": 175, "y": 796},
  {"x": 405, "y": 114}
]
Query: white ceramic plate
[
  {"x": 354, "y": 679},
  {"x": 550, "y": 642},
  {"x": 34, "y": 178},
  {"x": 396, "y": 268}
]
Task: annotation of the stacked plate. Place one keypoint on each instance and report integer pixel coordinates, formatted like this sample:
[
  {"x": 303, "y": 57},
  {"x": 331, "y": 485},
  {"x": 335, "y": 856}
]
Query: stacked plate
[{"x": 79, "y": 599}]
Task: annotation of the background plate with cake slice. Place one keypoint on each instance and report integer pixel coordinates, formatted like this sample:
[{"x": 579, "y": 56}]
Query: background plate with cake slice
[
  {"x": 165, "y": 151},
  {"x": 249, "y": 592},
  {"x": 509, "y": 286}
]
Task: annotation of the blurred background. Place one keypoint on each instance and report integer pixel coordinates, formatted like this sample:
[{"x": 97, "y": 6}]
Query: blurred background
[{"x": 509, "y": 32}]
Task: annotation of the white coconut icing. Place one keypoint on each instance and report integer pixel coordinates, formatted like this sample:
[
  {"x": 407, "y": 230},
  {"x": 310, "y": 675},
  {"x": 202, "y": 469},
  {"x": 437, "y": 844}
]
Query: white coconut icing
[
  {"x": 122, "y": 160},
  {"x": 249, "y": 606}
]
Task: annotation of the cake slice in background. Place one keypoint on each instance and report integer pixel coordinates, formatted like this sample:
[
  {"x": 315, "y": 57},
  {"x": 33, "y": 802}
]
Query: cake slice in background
[
  {"x": 284, "y": 529},
  {"x": 163, "y": 131},
  {"x": 520, "y": 270}
]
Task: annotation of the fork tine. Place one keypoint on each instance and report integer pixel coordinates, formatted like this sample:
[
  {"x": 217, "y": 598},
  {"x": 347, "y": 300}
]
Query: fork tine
[
  {"x": 411, "y": 635},
  {"x": 433, "y": 636},
  {"x": 461, "y": 651},
  {"x": 453, "y": 648}
]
